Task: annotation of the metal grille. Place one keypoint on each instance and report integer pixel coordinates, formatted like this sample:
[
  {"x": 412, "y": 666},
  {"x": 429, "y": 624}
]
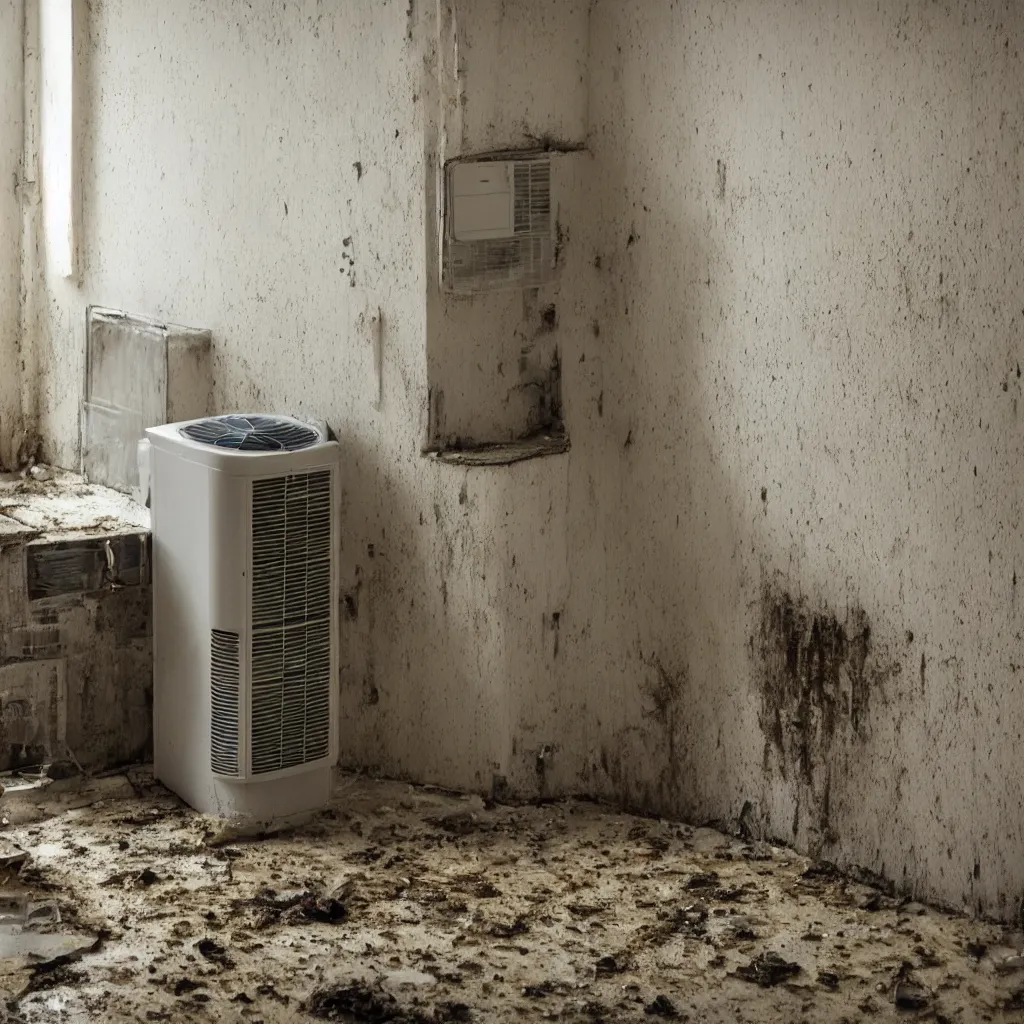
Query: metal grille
[
  {"x": 531, "y": 201},
  {"x": 291, "y": 620},
  {"x": 527, "y": 258},
  {"x": 252, "y": 433},
  {"x": 224, "y": 702}
]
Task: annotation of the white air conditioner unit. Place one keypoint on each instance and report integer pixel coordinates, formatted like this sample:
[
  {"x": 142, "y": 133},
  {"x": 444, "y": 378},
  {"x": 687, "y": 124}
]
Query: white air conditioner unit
[
  {"x": 498, "y": 228},
  {"x": 245, "y": 536}
]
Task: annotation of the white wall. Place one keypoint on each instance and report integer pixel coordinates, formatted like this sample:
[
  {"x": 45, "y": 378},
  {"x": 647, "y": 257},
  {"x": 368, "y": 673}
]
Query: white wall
[
  {"x": 11, "y": 143},
  {"x": 752, "y": 303},
  {"x": 821, "y": 304},
  {"x": 511, "y": 77},
  {"x": 219, "y": 188}
]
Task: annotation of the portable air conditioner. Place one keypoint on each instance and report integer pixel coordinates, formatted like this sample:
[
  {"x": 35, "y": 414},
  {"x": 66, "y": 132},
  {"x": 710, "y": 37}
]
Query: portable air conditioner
[{"x": 245, "y": 535}]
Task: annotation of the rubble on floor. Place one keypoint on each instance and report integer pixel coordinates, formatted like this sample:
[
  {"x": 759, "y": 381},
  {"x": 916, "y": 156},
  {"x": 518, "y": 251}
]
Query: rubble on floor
[{"x": 409, "y": 905}]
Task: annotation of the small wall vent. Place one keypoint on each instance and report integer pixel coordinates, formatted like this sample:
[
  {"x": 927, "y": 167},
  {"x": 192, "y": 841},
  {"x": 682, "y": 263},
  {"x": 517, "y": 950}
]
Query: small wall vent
[{"x": 497, "y": 223}]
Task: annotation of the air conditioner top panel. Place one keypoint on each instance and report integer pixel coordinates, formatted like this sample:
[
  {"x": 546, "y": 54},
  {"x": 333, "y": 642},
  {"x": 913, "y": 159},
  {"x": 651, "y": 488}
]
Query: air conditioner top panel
[{"x": 250, "y": 444}]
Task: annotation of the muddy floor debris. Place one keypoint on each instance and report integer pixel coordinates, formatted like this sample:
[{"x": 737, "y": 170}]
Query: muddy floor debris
[{"x": 405, "y": 905}]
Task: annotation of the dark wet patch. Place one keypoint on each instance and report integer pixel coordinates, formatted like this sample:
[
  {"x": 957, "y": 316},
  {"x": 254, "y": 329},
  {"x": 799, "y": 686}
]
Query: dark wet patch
[
  {"x": 358, "y": 1004},
  {"x": 703, "y": 880},
  {"x": 767, "y": 970},
  {"x": 663, "y": 1007},
  {"x": 617, "y": 964},
  {"x": 213, "y": 951},
  {"x": 504, "y": 930}
]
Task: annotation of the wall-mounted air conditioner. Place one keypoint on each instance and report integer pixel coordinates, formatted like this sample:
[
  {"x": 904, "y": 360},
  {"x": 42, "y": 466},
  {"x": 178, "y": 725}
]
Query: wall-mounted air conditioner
[
  {"x": 498, "y": 230},
  {"x": 245, "y": 540}
]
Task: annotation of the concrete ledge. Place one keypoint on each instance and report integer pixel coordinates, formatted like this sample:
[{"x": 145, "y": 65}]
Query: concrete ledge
[{"x": 506, "y": 453}]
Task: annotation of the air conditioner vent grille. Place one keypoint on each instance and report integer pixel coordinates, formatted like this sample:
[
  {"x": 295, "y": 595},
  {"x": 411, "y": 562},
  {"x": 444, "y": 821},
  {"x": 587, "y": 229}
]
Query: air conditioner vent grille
[
  {"x": 224, "y": 702},
  {"x": 291, "y": 616},
  {"x": 527, "y": 257},
  {"x": 252, "y": 433}
]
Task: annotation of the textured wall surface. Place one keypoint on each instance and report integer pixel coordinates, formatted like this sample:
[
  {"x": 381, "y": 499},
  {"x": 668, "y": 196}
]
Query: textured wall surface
[
  {"x": 11, "y": 144},
  {"x": 808, "y": 463},
  {"x": 774, "y": 581},
  {"x": 259, "y": 171},
  {"x": 512, "y": 76}
]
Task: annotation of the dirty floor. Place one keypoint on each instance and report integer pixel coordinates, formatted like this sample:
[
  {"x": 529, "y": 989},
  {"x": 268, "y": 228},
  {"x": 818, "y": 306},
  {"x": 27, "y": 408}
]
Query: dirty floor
[{"x": 405, "y": 904}]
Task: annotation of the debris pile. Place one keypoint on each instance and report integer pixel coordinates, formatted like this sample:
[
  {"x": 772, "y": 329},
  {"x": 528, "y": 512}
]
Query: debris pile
[{"x": 405, "y": 905}]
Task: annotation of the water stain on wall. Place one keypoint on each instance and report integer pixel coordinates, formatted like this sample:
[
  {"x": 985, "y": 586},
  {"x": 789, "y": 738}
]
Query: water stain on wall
[{"x": 820, "y": 673}]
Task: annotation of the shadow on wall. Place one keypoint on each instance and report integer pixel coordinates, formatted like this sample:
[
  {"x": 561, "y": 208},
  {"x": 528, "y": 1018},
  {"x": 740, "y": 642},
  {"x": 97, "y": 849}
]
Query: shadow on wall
[
  {"x": 654, "y": 524},
  {"x": 684, "y": 532},
  {"x": 673, "y": 529},
  {"x": 421, "y": 694},
  {"x": 800, "y": 440}
]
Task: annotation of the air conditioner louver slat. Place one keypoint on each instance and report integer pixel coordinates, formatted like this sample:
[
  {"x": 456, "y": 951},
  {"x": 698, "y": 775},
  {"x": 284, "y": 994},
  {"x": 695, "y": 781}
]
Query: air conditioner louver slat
[
  {"x": 224, "y": 674},
  {"x": 291, "y": 606},
  {"x": 527, "y": 258}
]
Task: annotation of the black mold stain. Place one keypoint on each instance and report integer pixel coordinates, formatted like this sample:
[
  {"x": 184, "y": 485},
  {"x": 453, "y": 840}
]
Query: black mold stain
[
  {"x": 720, "y": 174},
  {"x": 543, "y": 758},
  {"x": 464, "y": 493},
  {"x": 922, "y": 672},
  {"x": 629, "y": 439},
  {"x": 550, "y": 143},
  {"x": 549, "y": 317},
  {"x": 554, "y": 419},
  {"x": 435, "y": 402},
  {"x": 666, "y": 696},
  {"x": 371, "y": 695},
  {"x": 764, "y": 493},
  {"x": 556, "y": 623},
  {"x": 818, "y": 677},
  {"x": 600, "y": 404},
  {"x": 561, "y": 240},
  {"x": 633, "y": 238},
  {"x": 501, "y": 791},
  {"x": 746, "y": 820}
]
